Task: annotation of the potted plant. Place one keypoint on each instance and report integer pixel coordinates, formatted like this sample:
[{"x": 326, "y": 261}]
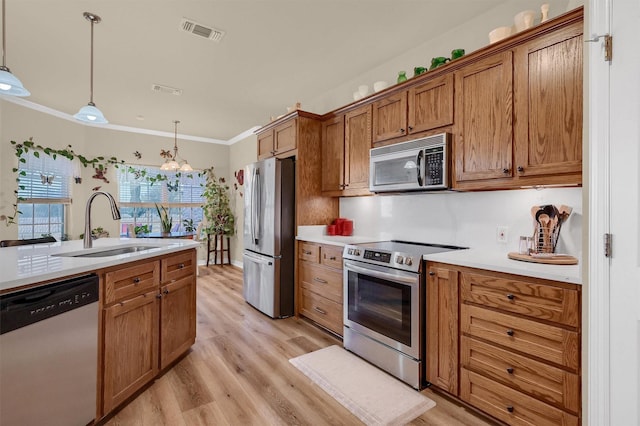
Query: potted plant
[
  {"x": 140, "y": 230},
  {"x": 189, "y": 226},
  {"x": 166, "y": 222},
  {"x": 220, "y": 219}
]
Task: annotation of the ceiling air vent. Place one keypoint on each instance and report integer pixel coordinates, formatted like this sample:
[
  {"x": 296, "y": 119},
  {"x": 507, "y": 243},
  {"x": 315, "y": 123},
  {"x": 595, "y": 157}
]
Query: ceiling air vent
[
  {"x": 166, "y": 89},
  {"x": 190, "y": 26}
]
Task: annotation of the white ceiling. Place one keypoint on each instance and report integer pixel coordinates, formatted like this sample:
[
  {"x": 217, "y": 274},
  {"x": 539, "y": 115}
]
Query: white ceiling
[{"x": 274, "y": 53}]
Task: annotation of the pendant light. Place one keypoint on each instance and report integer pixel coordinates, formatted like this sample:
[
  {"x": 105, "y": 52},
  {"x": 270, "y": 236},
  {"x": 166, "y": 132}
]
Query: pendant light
[
  {"x": 9, "y": 83},
  {"x": 90, "y": 113},
  {"x": 171, "y": 163}
]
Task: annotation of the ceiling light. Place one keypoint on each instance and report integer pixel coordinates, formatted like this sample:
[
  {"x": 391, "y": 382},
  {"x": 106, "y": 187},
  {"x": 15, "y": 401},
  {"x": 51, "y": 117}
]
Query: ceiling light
[
  {"x": 90, "y": 113},
  {"x": 172, "y": 161},
  {"x": 9, "y": 83}
]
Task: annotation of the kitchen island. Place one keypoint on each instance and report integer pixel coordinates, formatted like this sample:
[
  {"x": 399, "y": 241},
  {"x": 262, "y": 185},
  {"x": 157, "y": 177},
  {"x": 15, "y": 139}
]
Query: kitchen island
[{"x": 146, "y": 307}]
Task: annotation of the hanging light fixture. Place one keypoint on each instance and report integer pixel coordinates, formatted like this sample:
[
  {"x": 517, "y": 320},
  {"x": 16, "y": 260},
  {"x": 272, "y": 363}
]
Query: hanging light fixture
[
  {"x": 9, "y": 83},
  {"x": 173, "y": 162},
  {"x": 90, "y": 113}
]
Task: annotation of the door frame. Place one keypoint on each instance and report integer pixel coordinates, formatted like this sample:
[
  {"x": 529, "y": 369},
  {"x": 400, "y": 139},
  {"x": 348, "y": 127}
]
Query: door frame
[{"x": 596, "y": 269}]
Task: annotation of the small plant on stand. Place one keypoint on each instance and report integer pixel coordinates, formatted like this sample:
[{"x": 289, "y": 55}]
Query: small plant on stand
[{"x": 217, "y": 210}]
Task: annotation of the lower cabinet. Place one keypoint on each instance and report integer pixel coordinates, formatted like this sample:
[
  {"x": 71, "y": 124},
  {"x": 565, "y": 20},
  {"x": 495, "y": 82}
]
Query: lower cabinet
[
  {"x": 148, "y": 327},
  {"x": 508, "y": 345},
  {"x": 320, "y": 284}
]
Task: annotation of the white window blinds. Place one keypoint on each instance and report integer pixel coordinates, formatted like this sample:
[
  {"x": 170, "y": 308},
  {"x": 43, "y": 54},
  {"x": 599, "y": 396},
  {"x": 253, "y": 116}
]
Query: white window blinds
[
  {"x": 44, "y": 180},
  {"x": 180, "y": 189}
]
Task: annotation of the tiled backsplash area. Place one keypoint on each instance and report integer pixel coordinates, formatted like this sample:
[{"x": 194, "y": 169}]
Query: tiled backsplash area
[{"x": 466, "y": 219}]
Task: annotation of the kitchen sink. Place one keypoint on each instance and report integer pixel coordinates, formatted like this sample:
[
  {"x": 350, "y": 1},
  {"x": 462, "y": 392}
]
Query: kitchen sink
[{"x": 106, "y": 252}]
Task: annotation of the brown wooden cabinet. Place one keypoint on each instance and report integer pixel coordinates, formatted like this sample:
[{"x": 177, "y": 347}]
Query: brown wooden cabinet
[
  {"x": 520, "y": 347},
  {"x": 320, "y": 284},
  {"x": 518, "y": 113},
  {"x": 148, "y": 321},
  {"x": 422, "y": 107},
  {"x": 345, "y": 153},
  {"x": 279, "y": 140},
  {"x": 442, "y": 327}
]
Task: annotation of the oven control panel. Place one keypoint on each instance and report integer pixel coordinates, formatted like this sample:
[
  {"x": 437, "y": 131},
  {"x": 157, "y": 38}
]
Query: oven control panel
[{"x": 378, "y": 256}]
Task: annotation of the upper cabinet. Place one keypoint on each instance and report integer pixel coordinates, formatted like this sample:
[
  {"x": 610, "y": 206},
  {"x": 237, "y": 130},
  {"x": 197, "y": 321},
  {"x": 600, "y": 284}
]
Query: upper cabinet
[
  {"x": 422, "y": 107},
  {"x": 281, "y": 139},
  {"x": 518, "y": 114},
  {"x": 346, "y": 141}
]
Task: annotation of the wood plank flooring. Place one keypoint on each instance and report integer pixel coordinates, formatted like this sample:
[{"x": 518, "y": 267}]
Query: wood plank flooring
[{"x": 238, "y": 372}]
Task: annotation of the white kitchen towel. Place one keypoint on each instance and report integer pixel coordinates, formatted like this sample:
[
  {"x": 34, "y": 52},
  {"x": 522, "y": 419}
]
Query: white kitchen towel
[{"x": 372, "y": 395}]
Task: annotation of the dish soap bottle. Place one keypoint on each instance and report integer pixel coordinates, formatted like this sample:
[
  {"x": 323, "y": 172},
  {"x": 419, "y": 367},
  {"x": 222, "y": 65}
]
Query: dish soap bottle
[{"x": 402, "y": 76}]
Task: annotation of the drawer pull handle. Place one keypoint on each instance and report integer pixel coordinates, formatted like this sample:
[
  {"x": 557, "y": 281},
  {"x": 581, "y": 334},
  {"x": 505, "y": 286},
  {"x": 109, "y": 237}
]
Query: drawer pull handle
[
  {"x": 432, "y": 273},
  {"x": 510, "y": 296},
  {"x": 319, "y": 280},
  {"x": 136, "y": 280},
  {"x": 181, "y": 266},
  {"x": 323, "y": 312},
  {"x": 306, "y": 252},
  {"x": 166, "y": 291},
  {"x": 510, "y": 332},
  {"x": 510, "y": 370},
  {"x": 510, "y": 408},
  {"x": 332, "y": 258}
]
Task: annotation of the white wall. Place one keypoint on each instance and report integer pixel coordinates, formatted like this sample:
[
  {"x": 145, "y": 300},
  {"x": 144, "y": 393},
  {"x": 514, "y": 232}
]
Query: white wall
[{"x": 466, "y": 219}]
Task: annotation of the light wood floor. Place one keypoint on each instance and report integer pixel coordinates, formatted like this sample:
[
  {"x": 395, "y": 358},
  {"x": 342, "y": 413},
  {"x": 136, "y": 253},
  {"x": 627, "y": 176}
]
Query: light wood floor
[{"x": 238, "y": 373}]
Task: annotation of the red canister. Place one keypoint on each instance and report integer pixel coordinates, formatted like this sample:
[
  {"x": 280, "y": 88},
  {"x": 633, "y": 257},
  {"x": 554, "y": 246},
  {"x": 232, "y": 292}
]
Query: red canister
[
  {"x": 347, "y": 228},
  {"x": 331, "y": 230},
  {"x": 338, "y": 223}
]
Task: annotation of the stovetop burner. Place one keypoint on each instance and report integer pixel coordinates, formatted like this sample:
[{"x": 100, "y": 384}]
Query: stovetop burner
[{"x": 403, "y": 255}]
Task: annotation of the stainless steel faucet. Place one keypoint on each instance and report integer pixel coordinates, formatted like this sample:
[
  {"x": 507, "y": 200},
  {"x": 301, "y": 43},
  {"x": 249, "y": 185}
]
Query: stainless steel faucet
[{"x": 115, "y": 213}]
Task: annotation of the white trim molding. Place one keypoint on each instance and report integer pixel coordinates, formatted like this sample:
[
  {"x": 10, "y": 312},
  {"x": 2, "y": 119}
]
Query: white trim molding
[{"x": 596, "y": 374}]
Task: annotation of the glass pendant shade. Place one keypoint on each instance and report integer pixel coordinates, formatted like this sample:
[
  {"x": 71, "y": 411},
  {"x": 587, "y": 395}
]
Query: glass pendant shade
[
  {"x": 10, "y": 85},
  {"x": 90, "y": 114},
  {"x": 186, "y": 167},
  {"x": 170, "y": 166}
]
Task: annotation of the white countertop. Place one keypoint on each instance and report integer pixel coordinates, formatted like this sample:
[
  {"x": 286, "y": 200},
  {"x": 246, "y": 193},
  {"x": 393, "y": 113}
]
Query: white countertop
[
  {"x": 24, "y": 265},
  {"x": 499, "y": 262},
  {"x": 317, "y": 234}
]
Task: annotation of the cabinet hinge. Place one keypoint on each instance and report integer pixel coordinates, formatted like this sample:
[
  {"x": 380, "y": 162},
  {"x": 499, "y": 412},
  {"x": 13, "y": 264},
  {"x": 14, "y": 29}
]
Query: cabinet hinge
[
  {"x": 608, "y": 45},
  {"x": 607, "y": 245}
]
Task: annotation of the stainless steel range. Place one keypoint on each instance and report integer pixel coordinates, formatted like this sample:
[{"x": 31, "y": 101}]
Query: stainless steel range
[{"x": 384, "y": 305}]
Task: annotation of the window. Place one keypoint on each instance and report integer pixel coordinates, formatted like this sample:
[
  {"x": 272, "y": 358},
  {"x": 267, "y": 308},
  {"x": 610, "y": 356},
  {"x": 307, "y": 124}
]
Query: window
[
  {"x": 45, "y": 193},
  {"x": 181, "y": 193}
]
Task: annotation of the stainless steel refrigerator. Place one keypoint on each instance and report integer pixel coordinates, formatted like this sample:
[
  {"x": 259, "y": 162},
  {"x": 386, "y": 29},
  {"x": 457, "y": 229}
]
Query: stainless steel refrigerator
[{"x": 269, "y": 236}]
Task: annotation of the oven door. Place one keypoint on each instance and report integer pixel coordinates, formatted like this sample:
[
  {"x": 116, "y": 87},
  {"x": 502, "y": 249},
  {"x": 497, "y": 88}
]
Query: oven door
[{"x": 384, "y": 304}]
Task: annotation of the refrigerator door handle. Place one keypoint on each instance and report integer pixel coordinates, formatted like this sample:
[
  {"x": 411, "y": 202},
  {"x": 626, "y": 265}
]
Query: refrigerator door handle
[
  {"x": 258, "y": 208},
  {"x": 253, "y": 206},
  {"x": 257, "y": 259}
]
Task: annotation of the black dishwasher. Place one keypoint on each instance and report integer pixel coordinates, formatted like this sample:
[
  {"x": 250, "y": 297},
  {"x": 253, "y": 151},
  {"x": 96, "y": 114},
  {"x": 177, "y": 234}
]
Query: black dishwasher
[{"x": 49, "y": 353}]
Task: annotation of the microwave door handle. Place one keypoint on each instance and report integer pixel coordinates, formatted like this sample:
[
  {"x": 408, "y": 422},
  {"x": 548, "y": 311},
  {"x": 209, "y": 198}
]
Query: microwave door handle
[{"x": 420, "y": 168}]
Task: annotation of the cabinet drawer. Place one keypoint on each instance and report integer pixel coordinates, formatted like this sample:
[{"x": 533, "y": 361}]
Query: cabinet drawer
[
  {"x": 322, "y": 310},
  {"x": 509, "y": 405},
  {"x": 309, "y": 252},
  {"x": 526, "y": 298},
  {"x": 131, "y": 281},
  {"x": 331, "y": 256},
  {"x": 323, "y": 281},
  {"x": 542, "y": 381},
  {"x": 179, "y": 266},
  {"x": 546, "y": 342}
]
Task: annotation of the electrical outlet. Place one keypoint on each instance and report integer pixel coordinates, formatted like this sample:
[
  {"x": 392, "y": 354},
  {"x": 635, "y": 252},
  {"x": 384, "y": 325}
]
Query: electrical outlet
[{"x": 502, "y": 234}]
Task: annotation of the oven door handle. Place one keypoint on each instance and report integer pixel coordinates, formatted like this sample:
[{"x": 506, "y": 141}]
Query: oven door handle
[{"x": 400, "y": 277}]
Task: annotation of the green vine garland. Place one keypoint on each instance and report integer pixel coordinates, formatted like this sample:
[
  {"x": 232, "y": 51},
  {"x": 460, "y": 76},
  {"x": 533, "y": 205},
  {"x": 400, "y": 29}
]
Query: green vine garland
[{"x": 100, "y": 163}]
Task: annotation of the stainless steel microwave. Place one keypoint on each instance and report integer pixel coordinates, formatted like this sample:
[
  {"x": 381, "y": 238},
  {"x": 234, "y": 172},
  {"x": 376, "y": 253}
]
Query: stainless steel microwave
[{"x": 417, "y": 165}]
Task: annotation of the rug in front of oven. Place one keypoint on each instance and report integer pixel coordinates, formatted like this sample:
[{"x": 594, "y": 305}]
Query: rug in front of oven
[{"x": 372, "y": 395}]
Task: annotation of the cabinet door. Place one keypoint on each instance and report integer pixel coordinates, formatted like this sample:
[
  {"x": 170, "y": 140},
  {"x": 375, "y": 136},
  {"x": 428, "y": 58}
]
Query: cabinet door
[
  {"x": 442, "y": 328},
  {"x": 284, "y": 137},
  {"x": 333, "y": 154},
  {"x": 431, "y": 104},
  {"x": 548, "y": 102},
  {"x": 390, "y": 117},
  {"x": 130, "y": 347},
  {"x": 177, "y": 319},
  {"x": 357, "y": 146},
  {"x": 483, "y": 119},
  {"x": 265, "y": 145}
]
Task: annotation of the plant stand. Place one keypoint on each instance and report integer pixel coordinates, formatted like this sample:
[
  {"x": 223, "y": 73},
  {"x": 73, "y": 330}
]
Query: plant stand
[{"x": 213, "y": 239}]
